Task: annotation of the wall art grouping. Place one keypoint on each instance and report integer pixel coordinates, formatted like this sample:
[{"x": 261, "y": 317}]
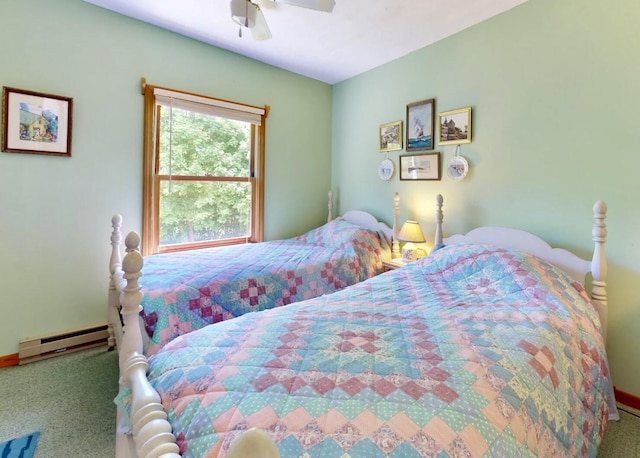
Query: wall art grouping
[{"x": 453, "y": 128}]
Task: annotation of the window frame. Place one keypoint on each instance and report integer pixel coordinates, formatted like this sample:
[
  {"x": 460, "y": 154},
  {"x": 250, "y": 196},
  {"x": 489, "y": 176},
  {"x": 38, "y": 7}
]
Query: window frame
[{"x": 152, "y": 179}]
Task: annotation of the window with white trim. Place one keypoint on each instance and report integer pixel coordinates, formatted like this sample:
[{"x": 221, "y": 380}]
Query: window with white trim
[{"x": 203, "y": 181}]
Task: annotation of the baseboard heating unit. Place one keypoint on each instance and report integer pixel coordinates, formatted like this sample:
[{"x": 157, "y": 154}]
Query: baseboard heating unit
[{"x": 47, "y": 346}]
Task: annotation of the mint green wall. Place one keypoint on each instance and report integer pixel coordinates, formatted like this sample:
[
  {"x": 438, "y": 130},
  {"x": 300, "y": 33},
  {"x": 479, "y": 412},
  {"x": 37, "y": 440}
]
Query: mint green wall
[
  {"x": 55, "y": 212},
  {"x": 554, "y": 103},
  {"x": 553, "y": 87}
]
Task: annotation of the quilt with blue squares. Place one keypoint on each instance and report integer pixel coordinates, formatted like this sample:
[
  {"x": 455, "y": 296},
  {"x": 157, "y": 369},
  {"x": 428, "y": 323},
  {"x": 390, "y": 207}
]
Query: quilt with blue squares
[
  {"x": 184, "y": 291},
  {"x": 473, "y": 351}
]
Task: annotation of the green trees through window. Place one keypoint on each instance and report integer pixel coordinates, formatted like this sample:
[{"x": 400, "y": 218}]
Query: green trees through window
[
  {"x": 203, "y": 171},
  {"x": 193, "y": 148}
]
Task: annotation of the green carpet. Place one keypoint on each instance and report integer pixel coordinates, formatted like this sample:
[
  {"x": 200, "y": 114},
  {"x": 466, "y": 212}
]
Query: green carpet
[
  {"x": 621, "y": 438},
  {"x": 20, "y": 447},
  {"x": 69, "y": 400}
]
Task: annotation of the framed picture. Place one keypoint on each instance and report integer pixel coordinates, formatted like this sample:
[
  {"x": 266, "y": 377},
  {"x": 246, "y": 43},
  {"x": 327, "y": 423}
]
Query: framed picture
[
  {"x": 420, "y": 123},
  {"x": 420, "y": 166},
  {"x": 454, "y": 127},
  {"x": 390, "y": 136},
  {"x": 36, "y": 123}
]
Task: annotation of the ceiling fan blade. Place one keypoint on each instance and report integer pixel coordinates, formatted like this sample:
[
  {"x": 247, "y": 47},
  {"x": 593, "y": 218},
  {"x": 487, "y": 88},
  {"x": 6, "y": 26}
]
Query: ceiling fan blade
[
  {"x": 259, "y": 28},
  {"x": 319, "y": 5}
]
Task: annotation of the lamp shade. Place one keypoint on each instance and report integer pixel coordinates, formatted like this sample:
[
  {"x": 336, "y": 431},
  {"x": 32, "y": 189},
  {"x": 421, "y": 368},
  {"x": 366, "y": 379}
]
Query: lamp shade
[{"x": 411, "y": 232}]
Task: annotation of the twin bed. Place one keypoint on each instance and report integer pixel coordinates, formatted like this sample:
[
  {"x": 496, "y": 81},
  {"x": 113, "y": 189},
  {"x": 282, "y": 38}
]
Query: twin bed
[
  {"x": 185, "y": 291},
  {"x": 490, "y": 346}
]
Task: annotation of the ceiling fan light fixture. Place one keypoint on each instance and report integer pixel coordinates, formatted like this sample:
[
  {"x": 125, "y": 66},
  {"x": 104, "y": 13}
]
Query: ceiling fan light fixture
[
  {"x": 241, "y": 12},
  {"x": 247, "y": 14}
]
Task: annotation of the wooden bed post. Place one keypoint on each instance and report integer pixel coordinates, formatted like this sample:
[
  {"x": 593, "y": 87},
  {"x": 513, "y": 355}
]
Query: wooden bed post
[
  {"x": 115, "y": 268},
  {"x": 437, "y": 242},
  {"x": 395, "y": 245},
  {"x": 599, "y": 264},
  {"x": 152, "y": 431}
]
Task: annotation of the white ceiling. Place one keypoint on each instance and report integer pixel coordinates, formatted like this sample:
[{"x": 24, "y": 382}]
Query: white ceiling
[{"x": 357, "y": 36}]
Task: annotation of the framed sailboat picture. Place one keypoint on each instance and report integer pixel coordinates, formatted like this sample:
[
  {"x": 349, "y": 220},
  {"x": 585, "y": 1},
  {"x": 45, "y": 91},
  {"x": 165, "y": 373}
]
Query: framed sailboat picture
[{"x": 420, "y": 124}]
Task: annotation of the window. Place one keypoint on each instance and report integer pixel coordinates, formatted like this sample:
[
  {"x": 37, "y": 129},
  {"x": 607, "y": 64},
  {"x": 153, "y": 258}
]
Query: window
[{"x": 203, "y": 181}]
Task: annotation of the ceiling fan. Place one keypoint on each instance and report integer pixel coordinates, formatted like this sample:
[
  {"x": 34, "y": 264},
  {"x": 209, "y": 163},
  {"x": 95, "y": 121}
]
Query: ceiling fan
[{"x": 247, "y": 14}]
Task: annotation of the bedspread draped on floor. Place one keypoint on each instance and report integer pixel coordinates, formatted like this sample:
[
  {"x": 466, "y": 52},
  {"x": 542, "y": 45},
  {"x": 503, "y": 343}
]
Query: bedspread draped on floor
[{"x": 473, "y": 351}]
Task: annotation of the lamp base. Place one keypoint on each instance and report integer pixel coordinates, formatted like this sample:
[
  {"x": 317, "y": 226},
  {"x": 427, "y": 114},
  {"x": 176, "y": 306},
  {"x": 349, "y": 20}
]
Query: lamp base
[{"x": 409, "y": 252}]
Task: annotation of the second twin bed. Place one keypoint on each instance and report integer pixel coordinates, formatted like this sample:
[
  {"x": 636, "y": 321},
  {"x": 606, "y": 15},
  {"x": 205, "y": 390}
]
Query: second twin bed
[{"x": 479, "y": 349}]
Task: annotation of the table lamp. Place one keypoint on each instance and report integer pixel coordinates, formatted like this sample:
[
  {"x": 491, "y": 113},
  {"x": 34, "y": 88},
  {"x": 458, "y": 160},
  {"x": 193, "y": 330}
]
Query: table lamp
[{"x": 411, "y": 233}]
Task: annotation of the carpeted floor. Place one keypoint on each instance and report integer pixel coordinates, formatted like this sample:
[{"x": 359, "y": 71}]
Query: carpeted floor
[
  {"x": 69, "y": 400},
  {"x": 622, "y": 438}
]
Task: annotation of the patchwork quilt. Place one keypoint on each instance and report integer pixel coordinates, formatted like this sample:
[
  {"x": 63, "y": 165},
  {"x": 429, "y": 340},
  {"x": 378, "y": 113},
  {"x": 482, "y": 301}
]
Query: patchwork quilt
[
  {"x": 185, "y": 291},
  {"x": 472, "y": 351}
]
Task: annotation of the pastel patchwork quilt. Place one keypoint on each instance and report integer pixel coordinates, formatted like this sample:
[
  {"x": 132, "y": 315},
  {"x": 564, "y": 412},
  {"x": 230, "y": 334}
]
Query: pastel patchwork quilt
[
  {"x": 472, "y": 352},
  {"x": 185, "y": 291}
]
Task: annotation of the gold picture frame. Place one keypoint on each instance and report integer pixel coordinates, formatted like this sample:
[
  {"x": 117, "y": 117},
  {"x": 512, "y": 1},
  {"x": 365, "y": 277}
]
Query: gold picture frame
[
  {"x": 390, "y": 136},
  {"x": 36, "y": 123},
  {"x": 454, "y": 126}
]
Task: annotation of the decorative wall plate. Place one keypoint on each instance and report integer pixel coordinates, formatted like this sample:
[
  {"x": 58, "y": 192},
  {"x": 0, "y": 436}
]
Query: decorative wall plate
[
  {"x": 457, "y": 168},
  {"x": 385, "y": 169}
]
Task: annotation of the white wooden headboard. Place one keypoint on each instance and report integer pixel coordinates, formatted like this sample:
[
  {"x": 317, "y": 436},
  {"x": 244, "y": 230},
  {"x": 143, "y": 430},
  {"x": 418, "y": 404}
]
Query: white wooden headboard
[{"x": 365, "y": 219}]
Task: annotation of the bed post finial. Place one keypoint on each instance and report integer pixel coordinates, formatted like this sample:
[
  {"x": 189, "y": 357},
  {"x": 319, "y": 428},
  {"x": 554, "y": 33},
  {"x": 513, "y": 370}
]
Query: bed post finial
[
  {"x": 131, "y": 296},
  {"x": 437, "y": 243},
  {"x": 330, "y": 206},
  {"x": 599, "y": 264},
  {"x": 395, "y": 244},
  {"x": 253, "y": 442}
]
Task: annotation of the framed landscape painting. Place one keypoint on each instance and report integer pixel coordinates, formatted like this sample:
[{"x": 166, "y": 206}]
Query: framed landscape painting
[
  {"x": 420, "y": 124},
  {"x": 420, "y": 166},
  {"x": 36, "y": 123},
  {"x": 390, "y": 136},
  {"x": 454, "y": 127}
]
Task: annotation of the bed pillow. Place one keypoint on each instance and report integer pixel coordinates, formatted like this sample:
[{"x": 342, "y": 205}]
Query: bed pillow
[{"x": 339, "y": 232}]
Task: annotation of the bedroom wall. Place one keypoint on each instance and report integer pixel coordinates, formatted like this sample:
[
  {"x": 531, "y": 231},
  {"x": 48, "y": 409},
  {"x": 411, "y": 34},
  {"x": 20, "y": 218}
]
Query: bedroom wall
[
  {"x": 553, "y": 87},
  {"x": 55, "y": 212}
]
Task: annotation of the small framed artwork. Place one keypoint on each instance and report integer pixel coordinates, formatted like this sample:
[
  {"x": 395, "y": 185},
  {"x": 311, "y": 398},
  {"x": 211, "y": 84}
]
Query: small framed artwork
[
  {"x": 420, "y": 123},
  {"x": 391, "y": 136},
  {"x": 420, "y": 166},
  {"x": 454, "y": 127},
  {"x": 36, "y": 123}
]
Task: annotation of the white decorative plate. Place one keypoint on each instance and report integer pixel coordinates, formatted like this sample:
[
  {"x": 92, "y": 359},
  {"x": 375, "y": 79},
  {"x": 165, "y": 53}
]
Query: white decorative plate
[
  {"x": 457, "y": 168},
  {"x": 385, "y": 169}
]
